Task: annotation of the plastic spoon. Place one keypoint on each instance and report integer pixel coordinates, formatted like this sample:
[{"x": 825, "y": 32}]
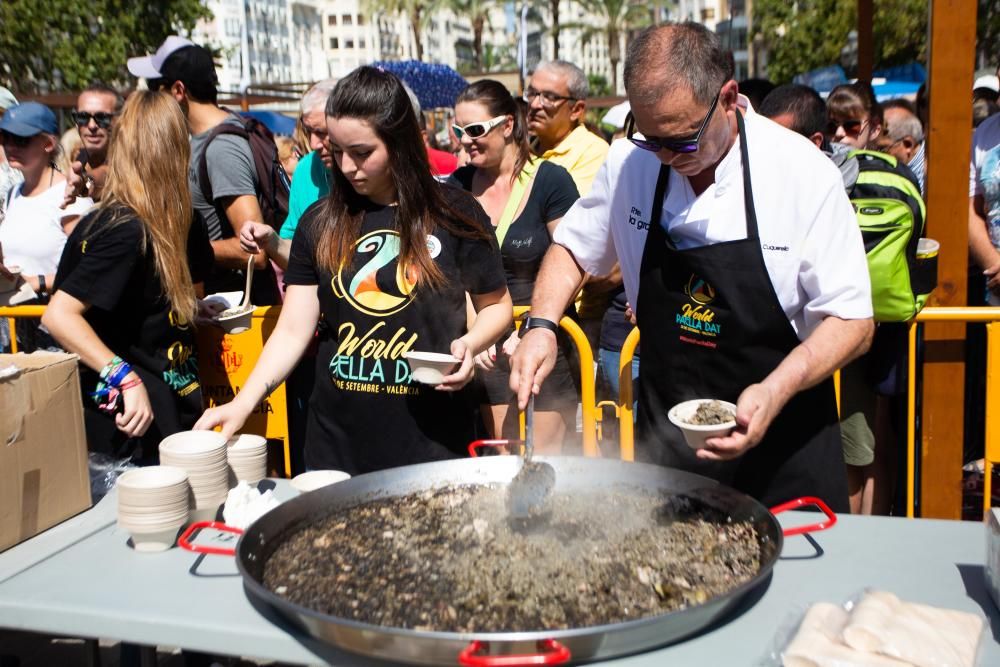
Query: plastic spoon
[{"x": 246, "y": 292}]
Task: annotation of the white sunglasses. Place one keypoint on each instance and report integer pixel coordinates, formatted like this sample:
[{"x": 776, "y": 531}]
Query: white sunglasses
[{"x": 476, "y": 130}]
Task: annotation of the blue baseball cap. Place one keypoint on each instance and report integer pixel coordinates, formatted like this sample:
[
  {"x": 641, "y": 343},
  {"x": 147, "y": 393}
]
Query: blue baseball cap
[{"x": 28, "y": 119}]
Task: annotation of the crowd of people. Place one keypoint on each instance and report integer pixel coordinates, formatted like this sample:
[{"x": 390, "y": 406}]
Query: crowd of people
[{"x": 720, "y": 224}]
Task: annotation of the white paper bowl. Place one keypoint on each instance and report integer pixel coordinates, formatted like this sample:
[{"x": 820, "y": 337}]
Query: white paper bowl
[
  {"x": 317, "y": 479},
  {"x": 247, "y": 441},
  {"x": 430, "y": 367},
  {"x": 236, "y": 322},
  {"x": 188, "y": 443},
  {"x": 695, "y": 434},
  {"x": 152, "y": 478},
  {"x": 8, "y": 284}
]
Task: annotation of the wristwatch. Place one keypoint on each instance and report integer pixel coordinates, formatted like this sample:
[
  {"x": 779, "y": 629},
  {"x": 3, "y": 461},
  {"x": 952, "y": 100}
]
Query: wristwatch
[{"x": 540, "y": 323}]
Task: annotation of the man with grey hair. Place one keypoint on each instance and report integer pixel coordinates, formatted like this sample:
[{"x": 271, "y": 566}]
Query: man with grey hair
[
  {"x": 903, "y": 138},
  {"x": 744, "y": 265},
  {"x": 556, "y": 95},
  {"x": 311, "y": 180}
]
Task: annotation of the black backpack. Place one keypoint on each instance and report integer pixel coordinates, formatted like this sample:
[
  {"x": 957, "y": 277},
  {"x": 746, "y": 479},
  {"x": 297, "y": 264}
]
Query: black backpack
[{"x": 272, "y": 181}]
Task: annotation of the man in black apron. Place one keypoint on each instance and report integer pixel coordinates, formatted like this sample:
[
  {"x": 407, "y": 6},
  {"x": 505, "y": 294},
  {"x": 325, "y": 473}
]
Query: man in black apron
[{"x": 712, "y": 323}]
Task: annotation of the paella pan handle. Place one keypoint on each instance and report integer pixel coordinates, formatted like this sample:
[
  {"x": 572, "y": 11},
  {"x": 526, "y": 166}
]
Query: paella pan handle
[
  {"x": 553, "y": 653},
  {"x": 477, "y": 445},
  {"x": 184, "y": 541},
  {"x": 830, "y": 520}
]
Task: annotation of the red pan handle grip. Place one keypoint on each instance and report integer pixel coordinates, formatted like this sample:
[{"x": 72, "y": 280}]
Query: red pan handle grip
[
  {"x": 831, "y": 518},
  {"x": 184, "y": 542},
  {"x": 476, "y": 445},
  {"x": 552, "y": 653}
]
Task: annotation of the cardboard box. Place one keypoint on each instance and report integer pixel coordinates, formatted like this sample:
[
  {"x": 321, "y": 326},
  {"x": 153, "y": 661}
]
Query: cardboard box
[{"x": 43, "y": 446}]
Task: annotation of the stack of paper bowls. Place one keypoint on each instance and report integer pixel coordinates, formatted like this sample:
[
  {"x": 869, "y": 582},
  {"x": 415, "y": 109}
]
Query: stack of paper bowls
[
  {"x": 248, "y": 458},
  {"x": 203, "y": 455},
  {"x": 153, "y": 504}
]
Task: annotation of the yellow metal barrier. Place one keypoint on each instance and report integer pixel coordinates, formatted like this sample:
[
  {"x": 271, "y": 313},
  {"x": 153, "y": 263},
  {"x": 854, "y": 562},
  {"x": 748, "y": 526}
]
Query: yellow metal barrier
[
  {"x": 992, "y": 445},
  {"x": 224, "y": 363},
  {"x": 588, "y": 394},
  {"x": 626, "y": 419},
  {"x": 12, "y": 313},
  {"x": 988, "y": 316}
]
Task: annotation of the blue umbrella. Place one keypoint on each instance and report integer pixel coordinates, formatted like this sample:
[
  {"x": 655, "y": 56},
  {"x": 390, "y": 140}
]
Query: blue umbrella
[
  {"x": 435, "y": 85},
  {"x": 276, "y": 122}
]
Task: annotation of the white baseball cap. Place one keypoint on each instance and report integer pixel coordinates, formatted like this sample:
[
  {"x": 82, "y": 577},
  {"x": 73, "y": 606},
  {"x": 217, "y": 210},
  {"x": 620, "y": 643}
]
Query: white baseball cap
[
  {"x": 148, "y": 67},
  {"x": 988, "y": 81}
]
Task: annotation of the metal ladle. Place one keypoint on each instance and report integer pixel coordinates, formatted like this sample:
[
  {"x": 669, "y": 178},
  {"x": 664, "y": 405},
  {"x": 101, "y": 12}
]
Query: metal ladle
[{"x": 531, "y": 488}]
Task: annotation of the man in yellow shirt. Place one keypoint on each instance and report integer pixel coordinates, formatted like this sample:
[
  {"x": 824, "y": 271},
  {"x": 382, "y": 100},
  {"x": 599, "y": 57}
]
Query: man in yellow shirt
[{"x": 556, "y": 95}]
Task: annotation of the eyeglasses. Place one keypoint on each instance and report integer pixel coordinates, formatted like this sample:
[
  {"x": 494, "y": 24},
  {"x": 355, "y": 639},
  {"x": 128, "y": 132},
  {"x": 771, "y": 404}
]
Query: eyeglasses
[
  {"x": 103, "y": 119},
  {"x": 14, "y": 139},
  {"x": 852, "y": 127},
  {"x": 656, "y": 144},
  {"x": 549, "y": 99},
  {"x": 888, "y": 145},
  {"x": 477, "y": 130}
]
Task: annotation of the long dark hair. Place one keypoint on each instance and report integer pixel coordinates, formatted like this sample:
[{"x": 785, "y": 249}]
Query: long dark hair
[
  {"x": 499, "y": 102},
  {"x": 379, "y": 98}
]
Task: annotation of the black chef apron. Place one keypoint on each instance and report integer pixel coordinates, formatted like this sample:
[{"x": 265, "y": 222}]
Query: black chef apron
[{"x": 711, "y": 326}]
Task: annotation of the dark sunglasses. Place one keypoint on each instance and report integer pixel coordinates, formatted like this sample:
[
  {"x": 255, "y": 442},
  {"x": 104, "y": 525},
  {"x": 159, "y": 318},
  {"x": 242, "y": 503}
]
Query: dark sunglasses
[
  {"x": 14, "y": 139},
  {"x": 852, "y": 127},
  {"x": 656, "y": 144},
  {"x": 83, "y": 118}
]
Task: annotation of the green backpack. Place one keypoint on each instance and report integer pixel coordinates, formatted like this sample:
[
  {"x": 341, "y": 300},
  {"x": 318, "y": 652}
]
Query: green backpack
[{"x": 891, "y": 212}]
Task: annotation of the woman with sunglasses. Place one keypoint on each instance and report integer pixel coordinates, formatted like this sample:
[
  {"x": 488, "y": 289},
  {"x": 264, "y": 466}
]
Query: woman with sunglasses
[
  {"x": 383, "y": 265},
  {"x": 525, "y": 198},
  {"x": 855, "y": 117},
  {"x": 34, "y": 228},
  {"x": 125, "y": 298}
]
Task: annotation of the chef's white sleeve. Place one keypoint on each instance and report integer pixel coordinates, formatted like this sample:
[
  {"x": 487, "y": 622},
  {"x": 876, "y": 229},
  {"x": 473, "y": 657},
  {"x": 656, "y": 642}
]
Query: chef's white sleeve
[
  {"x": 834, "y": 269},
  {"x": 585, "y": 230}
]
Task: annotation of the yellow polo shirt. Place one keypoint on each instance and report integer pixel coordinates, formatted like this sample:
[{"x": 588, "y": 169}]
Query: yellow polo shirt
[{"x": 581, "y": 153}]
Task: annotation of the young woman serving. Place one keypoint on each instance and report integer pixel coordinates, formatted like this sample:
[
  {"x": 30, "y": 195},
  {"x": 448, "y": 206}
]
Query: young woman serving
[
  {"x": 383, "y": 265},
  {"x": 125, "y": 298}
]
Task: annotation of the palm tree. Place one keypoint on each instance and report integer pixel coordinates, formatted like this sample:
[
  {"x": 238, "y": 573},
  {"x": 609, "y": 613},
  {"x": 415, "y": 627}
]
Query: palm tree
[
  {"x": 477, "y": 12},
  {"x": 416, "y": 11},
  {"x": 611, "y": 19},
  {"x": 554, "y": 27}
]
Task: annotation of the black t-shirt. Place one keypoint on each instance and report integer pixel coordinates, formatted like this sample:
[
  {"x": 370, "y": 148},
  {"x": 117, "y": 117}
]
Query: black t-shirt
[
  {"x": 552, "y": 194},
  {"x": 109, "y": 267},
  {"x": 365, "y": 413}
]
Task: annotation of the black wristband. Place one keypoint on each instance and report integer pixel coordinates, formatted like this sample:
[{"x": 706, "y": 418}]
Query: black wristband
[
  {"x": 43, "y": 289},
  {"x": 540, "y": 323}
]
